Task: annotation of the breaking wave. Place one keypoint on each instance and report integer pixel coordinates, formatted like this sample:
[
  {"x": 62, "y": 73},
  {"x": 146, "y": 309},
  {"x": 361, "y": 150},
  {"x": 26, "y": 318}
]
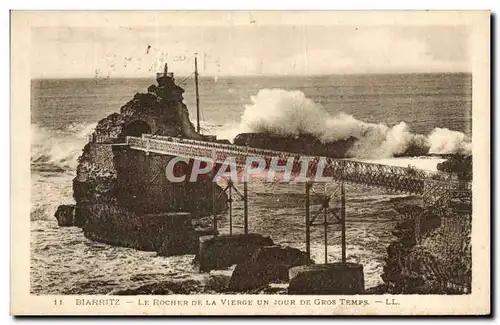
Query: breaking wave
[
  {"x": 58, "y": 150},
  {"x": 291, "y": 113}
]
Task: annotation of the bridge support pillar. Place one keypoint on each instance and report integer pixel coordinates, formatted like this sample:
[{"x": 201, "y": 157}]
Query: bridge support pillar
[
  {"x": 338, "y": 213},
  {"x": 245, "y": 207},
  {"x": 214, "y": 202},
  {"x": 229, "y": 189},
  {"x": 230, "y": 201},
  {"x": 342, "y": 220},
  {"x": 308, "y": 223}
]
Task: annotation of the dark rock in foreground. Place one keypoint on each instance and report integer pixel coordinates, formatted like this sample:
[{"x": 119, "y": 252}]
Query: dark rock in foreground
[{"x": 217, "y": 252}]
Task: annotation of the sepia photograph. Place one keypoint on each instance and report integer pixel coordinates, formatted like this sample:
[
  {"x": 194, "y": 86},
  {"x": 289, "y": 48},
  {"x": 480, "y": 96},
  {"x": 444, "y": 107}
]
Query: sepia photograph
[{"x": 252, "y": 156}]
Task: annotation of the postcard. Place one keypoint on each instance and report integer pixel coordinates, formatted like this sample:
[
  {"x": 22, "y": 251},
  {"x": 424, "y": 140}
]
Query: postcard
[{"x": 250, "y": 163}]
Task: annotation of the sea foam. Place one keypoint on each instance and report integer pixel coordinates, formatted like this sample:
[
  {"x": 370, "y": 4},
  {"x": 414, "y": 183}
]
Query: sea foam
[
  {"x": 291, "y": 113},
  {"x": 54, "y": 150}
]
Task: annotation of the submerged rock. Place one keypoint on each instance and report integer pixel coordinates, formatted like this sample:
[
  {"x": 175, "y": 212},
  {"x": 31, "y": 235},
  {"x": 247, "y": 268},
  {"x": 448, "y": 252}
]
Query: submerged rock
[{"x": 68, "y": 216}]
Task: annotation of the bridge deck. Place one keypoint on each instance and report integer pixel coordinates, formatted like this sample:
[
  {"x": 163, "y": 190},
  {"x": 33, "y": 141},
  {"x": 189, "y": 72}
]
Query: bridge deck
[{"x": 400, "y": 179}]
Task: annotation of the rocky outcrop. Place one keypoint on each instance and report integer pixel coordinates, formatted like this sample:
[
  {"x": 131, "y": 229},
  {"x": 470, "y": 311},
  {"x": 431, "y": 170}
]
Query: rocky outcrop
[{"x": 122, "y": 195}]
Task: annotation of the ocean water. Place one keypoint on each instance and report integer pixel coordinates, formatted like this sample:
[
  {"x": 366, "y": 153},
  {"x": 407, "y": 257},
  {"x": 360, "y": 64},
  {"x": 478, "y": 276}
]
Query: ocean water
[{"x": 435, "y": 108}]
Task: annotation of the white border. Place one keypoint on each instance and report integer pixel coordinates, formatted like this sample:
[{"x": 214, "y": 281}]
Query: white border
[{"x": 126, "y": 4}]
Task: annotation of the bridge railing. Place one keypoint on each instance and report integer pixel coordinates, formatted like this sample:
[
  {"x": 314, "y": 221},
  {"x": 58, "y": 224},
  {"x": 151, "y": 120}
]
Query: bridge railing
[{"x": 395, "y": 178}]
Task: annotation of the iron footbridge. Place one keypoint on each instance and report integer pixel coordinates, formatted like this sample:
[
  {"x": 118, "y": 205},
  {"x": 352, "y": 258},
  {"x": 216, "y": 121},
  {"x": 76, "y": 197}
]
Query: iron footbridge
[
  {"x": 432, "y": 186},
  {"x": 436, "y": 188}
]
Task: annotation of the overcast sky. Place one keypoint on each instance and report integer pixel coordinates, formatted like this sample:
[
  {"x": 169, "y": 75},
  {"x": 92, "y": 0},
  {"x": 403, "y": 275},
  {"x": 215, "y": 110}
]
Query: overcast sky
[{"x": 253, "y": 49}]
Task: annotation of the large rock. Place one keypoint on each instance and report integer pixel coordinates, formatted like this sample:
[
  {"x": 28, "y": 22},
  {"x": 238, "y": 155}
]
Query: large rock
[
  {"x": 327, "y": 279},
  {"x": 118, "y": 190},
  {"x": 216, "y": 252}
]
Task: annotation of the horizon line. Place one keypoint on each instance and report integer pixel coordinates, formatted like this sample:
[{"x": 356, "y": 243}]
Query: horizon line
[{"x": 257, "y": 75}]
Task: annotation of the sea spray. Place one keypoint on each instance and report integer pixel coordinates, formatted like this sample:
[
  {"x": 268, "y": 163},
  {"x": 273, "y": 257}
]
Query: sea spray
[
  {"x": 444, "y": 141},
  {"x": 54, "y": 155},
  {"x": 58, "y": 150},
  {"x": 291, "y": 114}
]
